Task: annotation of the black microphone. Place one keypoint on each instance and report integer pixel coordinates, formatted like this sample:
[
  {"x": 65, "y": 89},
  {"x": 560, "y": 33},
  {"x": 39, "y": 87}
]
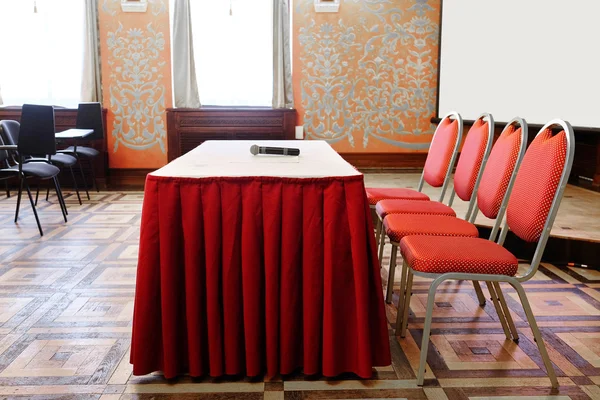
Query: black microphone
[{"x": 281, "y": 151}]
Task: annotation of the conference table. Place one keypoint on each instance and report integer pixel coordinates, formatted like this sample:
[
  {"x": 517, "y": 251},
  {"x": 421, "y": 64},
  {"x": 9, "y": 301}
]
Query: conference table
[{"x": 257, "y": 264}]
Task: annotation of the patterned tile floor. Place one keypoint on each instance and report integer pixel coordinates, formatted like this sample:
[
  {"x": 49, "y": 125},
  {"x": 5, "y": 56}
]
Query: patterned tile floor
[{"x": 65, "y": 322}]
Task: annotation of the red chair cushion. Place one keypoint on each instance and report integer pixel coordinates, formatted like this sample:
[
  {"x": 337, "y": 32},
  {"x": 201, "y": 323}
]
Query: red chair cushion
[
  {"x": 398, "y": 226},
  {"x": 435, "y": 254},
  {"x": 536, "y": 185},
  {"x": 440, "y": 152},
  {"x": 377, "y": 194},
  {"x": 471, "y": 157},
  {"x": 399, "y": 206}
]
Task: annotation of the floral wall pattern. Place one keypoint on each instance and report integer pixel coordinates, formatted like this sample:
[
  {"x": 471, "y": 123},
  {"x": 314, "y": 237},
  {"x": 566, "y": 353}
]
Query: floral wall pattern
[
  {"x": 136, "y": 72},
  {"x": 365, "y": 78}
]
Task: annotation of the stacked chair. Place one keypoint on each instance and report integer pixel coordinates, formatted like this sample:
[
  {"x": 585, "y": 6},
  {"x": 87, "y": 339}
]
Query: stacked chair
[
  {"x": 398, "y": 217},
  {"x": 530, "y": 194}
]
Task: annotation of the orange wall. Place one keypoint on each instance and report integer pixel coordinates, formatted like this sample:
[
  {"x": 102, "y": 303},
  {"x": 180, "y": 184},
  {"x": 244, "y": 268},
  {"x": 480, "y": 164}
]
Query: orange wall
[
  {"x": 365, "y": 78},
  {"x": 136, "y": 83}
]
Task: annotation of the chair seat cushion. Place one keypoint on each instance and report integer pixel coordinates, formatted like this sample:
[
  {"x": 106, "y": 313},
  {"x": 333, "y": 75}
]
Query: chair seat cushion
[
  {"x": 82, "y": 151},
  {"x": 63, "y": 160},
  {"x": 436, "y": 254},
  {"x": 39, "y": 170},
  {"x": 400, "y": 206},
  {"x": 397, "y": 226},
  {"x": 377, "y": 194}
]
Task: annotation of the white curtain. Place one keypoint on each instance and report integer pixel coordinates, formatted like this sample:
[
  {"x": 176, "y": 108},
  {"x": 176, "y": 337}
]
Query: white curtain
[
  {"x": 91, "y": 85},
  {"x": 282, "y": 65},
  {"x": 233, "y": 50},
  {"x": 185, "y": 86},
  {"x": 42, "y": 51}
]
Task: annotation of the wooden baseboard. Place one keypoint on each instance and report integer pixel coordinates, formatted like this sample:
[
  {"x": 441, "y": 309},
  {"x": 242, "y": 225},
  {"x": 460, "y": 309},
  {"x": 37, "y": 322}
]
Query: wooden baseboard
[
  {"x": 407, "y": 162},
  {"x": 127, "y": 178}
]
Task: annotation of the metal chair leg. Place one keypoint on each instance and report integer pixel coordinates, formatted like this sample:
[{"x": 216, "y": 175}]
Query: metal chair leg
[
  {"x": 37, "y": 193},
  {"x": 7, "y": 189},
  {"x": 506, "y": 310},
  {"x": 48, "y": 192},
  {"x": 479, "y": 293},
  {"x": 75, "y": 185},
  {"x": 403, "y": 323},
  {"x": 93, "y": 175},
  {"x": 390, "y": 285},
  {"x": 21, "y": 179},
  {"x": 82, "y": 176},
  {"x": 427, "y": 330},
  {"x": 37, "y": 219},
  {"x": 536, "y": 332},
  {"x": 499, "y": 311},
  {"x": 402, "y": 295},
  {"x": 377, "y": 234},
  {"x": 381, "y": 245},
  {"x": 61, "y": 200}
]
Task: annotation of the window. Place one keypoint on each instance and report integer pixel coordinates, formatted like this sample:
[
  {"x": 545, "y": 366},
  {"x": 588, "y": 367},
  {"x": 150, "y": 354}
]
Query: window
[
  {"x": 42, "y": 52},
  {"x": 233, "y": 51}
]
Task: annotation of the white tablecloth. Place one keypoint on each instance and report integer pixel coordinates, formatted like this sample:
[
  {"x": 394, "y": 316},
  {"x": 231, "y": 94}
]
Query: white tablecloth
[{"x": 232, "y": 158}]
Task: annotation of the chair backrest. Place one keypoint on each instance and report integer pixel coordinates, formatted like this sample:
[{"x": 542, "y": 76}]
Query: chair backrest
[
  {"x": 473, "y": 157},
  {"x": 500, "y": 172},
  {"x": 36, "y": 136},
  {"x": 539, "y": 187},
  {"x": 442, "y": 152},
  {"x": 10, "y": 135},
  {"x": 89, "y": 116},
  {"x": 3, "y": 153}
]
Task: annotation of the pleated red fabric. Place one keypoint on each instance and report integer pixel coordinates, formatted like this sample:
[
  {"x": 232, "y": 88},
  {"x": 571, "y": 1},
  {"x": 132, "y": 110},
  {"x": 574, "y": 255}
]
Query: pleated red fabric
[{"x": 257, "y": 275}]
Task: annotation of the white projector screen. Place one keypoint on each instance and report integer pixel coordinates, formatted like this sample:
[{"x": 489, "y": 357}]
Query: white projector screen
[{"x": 536, "y": 59}]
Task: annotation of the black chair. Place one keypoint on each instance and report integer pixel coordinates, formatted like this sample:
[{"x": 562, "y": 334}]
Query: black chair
[
  {"x": 11, "y": 131},
  {"x": 89, "y": 116},
  {"x": 35, "y": 141}
]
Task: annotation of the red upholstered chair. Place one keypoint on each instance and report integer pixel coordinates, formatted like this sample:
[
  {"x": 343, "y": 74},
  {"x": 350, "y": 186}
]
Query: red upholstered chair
[
  {"x": 438, "y": 165},
  {"x": 532, "y": 208},
  {"x": 473, "y": 157},
  {"x": 498, "y": 170}
]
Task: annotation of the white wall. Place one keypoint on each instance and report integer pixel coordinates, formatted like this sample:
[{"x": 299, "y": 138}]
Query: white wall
[{"x": 537, "y": 59}]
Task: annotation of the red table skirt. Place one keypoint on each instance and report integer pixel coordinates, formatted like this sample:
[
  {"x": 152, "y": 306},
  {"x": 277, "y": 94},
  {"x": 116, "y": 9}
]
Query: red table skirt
[{"x": 254, "y": 275}]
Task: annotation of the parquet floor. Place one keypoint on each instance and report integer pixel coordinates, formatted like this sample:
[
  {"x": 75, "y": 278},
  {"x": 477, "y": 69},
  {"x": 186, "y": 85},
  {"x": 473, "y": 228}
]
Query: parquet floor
[{"x": 66, "y": 305}]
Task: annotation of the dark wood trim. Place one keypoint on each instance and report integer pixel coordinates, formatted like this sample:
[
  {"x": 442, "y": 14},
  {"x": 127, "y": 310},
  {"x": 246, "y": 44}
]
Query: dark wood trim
[
  {"x": 189, "y": 127},
  {"x": 127, "y": 178},
  {"x": 559, "y": 250},
  {"x": 391, "y": 161}
]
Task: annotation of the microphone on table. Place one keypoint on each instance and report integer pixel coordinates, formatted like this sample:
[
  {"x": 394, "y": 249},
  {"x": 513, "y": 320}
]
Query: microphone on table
[{"x": 281, "y": 151}]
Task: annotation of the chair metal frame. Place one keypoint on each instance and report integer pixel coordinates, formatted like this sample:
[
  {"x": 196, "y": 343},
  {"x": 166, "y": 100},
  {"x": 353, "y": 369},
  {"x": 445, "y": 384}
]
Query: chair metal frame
[
  {"x": 514, "y": 281},
  {"x": 469, "y": 216}
]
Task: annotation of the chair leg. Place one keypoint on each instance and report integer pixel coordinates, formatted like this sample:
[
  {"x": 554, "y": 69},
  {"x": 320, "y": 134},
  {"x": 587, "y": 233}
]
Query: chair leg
[
  {"x": 506, "y": 310},
  {"x": 48, "y": 191},
  {"x": 402, "y": 324},
  {"x": 82, "y": 176},
  {"x": 536, "y": 332},
  {"x": 37, "y": 193},
  {"x": 479, "y": 293},
  {"x": 390, "y": 285},
  {"x": 37, "y": 219},
  {"x": 7, "y": 189},
  {"x": 402, "y": 296},
  {"x": 61, "y": 200},
  {"x": 21, "y": 179},
  {"x": 499, "y": 311},
  {"x": 377, "y": 234},
  {"x": 93, "y": 175},
  {"x": 427, "y": 330},
  {"x": 75, "y": 185},
  {"x": 381, "y": 245}
]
